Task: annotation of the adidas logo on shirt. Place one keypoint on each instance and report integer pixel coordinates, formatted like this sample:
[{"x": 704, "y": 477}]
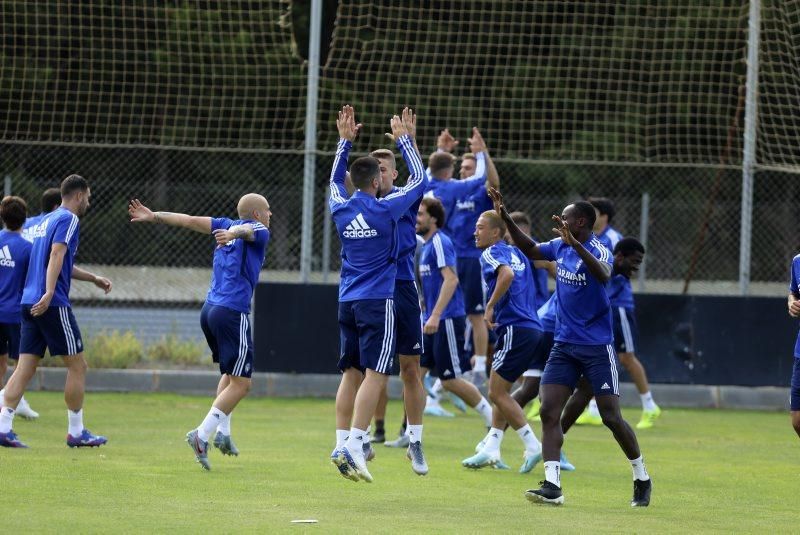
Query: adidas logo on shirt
[
  {"x": 605, "y": 386},
  {"x": 358, "y": 228},
  {"x": 5, "y": 258}
]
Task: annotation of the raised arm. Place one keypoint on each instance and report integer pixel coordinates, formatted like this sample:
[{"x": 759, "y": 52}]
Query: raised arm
[
  {"x": 522, "y": 241},
  {"x": 348, "y": 130},
  {"x": 600, "y": 268},
  {"x": 142, "y": 214},
  {"x": 404, "y": 131},
  {"x": 482, "y": 159}
]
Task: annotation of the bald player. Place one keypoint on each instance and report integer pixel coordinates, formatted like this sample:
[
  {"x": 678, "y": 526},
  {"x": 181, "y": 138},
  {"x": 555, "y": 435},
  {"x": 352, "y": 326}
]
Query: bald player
[{"x": 238, "y": 257}]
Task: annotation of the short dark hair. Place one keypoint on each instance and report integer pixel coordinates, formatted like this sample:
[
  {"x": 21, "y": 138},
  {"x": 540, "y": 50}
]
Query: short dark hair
[
  {"x": 435, "y": 209},
  {"x": 51, "y": 199},
  {"x": 604, "y": 205},
  {"x": 584, "y": 209},
  {"x": 628, "y": 246},
  {"x": 73, "y": 183},
  {"x": 520, "y": 218},
  {"x": 13, "y": 211},
  {"x": 364, "y": 170},
  {"x": 439, "y": 161}
]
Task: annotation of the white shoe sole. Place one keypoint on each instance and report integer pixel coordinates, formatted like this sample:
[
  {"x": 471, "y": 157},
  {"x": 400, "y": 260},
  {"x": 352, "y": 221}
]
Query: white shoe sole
[{"x": 535, "y": 498}]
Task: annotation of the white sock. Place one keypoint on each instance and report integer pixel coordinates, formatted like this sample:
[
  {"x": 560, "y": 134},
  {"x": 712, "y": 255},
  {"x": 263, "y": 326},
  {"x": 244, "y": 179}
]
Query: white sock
[
  {"x": 639, "y": 471},
  {"x": 552, "y": 472},
  {"x": 75, "y": 419},
  {"x": 355, "y": 442},
  {"x": 341, "y": 437},
  {"x": 480, "y": 364},
  {"x": 414, "y": 433},
  {"x": 648, "y": 404},
  {"x": 431, "y": 402},
  {"x": 6, "y": 419},
  {"x": 484, "y": 408},
  {"x": 528, "y": 437},
  {"x": 2, "y": 397},
  {"x": 493, "y": 441},
  {"x": 225, "y": 424},
  {"x": 210, "y": 423},
  {"x": 593, "y": 408}
]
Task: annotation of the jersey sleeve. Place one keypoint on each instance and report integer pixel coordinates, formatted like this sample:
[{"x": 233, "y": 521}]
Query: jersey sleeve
[
  {"x": 549, "y": 249},
  {"x": 66, "y": 229},
  {"x": 401, "y": 200},
  {"x": 795, "y": 275},
  {"x": 494, "y": 257},
  {"x": 480, "y": 165},
  {"x": 444, "y": 251},
  {"x": 261, "y": 235},
  {"x": 602, "y": 253},
  {"x": 220, "y": 223},
  {"x": 338, "y": 194}
]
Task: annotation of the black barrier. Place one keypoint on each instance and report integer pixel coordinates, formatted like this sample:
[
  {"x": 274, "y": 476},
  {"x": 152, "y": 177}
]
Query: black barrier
[{"x": 710, "y": 340}]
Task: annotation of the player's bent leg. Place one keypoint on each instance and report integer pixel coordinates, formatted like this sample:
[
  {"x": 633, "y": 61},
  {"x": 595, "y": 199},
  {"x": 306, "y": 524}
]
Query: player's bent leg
[
  {"x": 554, "y": 396},
  {"x": 346, "y": 397},
  {"x": 23, "y": 373},
  {"x": 365, "y": 403},
  {"x": 413, "y": 390},
  {"x": 576, "y": 405},
  {"x": 796, "y": 422}
]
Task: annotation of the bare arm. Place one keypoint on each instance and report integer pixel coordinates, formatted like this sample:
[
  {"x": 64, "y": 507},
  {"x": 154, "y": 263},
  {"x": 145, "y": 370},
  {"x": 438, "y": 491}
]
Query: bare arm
[
  {"x": 140, "y": 213},
  {"x": 54, "y": 265},
  {"x": 87, "y": 276},
  {"x": 794, "y": 305},
  {"x": 504, "y": 279},
  {"x": 449, "y": 286},
  {"x": 477, "y": 146},
  {"x": 549, "y": 266}
]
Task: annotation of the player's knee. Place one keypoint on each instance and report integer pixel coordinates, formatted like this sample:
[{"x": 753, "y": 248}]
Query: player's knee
[
  {"x": 410, "y": 370},
  {"x": 550, "y": 415},
  {"x": 77, "y": 364},
  {"x": 611, "y": 418},
  {"x": 796, "y": 421},
  {"x": 626, "y": 359}
]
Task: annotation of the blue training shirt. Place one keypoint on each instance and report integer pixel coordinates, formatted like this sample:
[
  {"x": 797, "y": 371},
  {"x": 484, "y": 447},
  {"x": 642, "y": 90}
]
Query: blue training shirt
[
  {"x": 547, "y": 314},
  {"x": 367, "y": 227},
  {"x": 794, "y": 284},
  {"x": 518, "y": 306},
  {"x": 584, "y": 310},
  {"x": 438, "y": 253},
  {"x": 236, "y": 266},
  {"x": 59, "y": 226},
  {"x": 15, "y": 253},
  {"x": 450, "y": 191},
  {"x": 620, "y": 289},
  {"x": 27, "y": 227}
]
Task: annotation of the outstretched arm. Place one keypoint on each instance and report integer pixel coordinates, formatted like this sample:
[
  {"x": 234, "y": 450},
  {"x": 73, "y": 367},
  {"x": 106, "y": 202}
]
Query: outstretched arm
[
  {"x": 142, "y": 214},
  {"x": 87, "y": 276},
  {"x": 348, "y": 130},
  {"x": 522, "y": 241},
  {"x": 404, "y": 130},
  {"x": 481, "y": 152}
]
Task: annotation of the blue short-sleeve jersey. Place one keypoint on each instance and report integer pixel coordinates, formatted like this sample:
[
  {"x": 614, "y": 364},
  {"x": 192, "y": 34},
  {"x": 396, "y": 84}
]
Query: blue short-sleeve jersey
[
  {"x": 518, "y": 306},
  {"x": 438, "y": 253},
  {"x": 620, "y": 291},
  {"x": 59, "y": 226},
  {"x": 236, "y": 266},
  {"x": 584, "y": 310},
  {"x": 15, "y": 253},
  {"x": 609, "y": 238},
  {"x": 461, "y": 221},
  {"x": 29, "y": 225},
  {"x": 547, "y": 314},
  {"x": 368, "y": 227},
  {"x": 450, "y": 191}
]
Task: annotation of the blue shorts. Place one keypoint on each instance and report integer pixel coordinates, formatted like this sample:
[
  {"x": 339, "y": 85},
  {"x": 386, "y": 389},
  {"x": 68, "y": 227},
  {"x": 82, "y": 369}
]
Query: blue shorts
[
  {"x": 9, "y": 340},
  {"x": 626, "y": 333},
  {"x": 536, "y": 367},
  {"x": 568, "y": 362},
  {"x": 471, "y": 282},
  {"x": 444, "y": 350},
  {"x": 229, "y": 338},
  {"x": 367, "y": 335},
  {"x": 408, "y": 317},
  {"x": 56, "y": 330},
  {"x": 794, "y": 399},
  {"x": 515, "y": 349}
]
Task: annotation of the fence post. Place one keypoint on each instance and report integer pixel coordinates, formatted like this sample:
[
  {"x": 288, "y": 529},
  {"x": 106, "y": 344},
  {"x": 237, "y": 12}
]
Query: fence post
[
  {"x": 7, "y": 186},
  {"x": 326, "y": 243},
  {"x": 643, "y": 228},
  {"x": 310, "y": 153},
  {"x": 749, "y": 156}
]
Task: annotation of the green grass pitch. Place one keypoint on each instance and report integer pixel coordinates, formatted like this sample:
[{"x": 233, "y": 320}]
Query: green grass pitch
[{"x": 722, "y": 471}]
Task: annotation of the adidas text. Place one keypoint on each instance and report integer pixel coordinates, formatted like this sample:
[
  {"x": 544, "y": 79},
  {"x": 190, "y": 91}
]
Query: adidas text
[{"x": 369, "y": 233}]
